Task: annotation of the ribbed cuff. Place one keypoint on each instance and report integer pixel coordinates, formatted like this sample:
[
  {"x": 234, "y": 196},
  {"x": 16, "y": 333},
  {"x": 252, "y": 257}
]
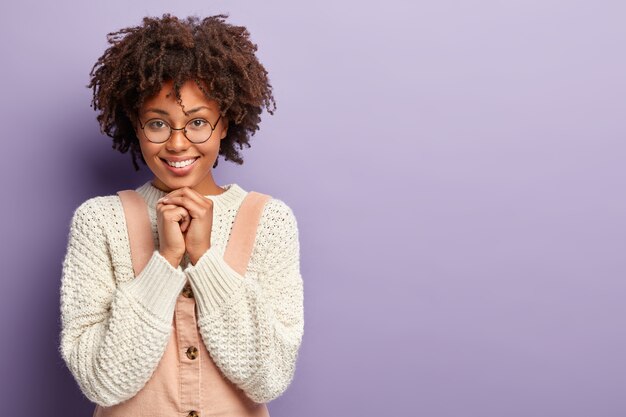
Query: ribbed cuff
[
  {"x": 157, "y": 286},
  {"x": 213, "y": 281}
]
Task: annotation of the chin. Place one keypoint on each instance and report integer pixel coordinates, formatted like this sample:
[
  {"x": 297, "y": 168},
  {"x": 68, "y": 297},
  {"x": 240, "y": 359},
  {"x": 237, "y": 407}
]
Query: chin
[
  {"x": 176, "y": 183},
  {"x": 173, "y": 183}
]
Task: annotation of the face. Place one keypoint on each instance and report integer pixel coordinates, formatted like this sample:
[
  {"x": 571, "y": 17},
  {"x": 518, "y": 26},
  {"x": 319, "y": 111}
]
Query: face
[{"x": 162, "y": 108}]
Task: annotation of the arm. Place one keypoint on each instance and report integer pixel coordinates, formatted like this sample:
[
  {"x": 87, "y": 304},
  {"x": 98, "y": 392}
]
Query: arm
[
  {"x": 112, "y": 338},
  {"x": 253, "y": 328}
]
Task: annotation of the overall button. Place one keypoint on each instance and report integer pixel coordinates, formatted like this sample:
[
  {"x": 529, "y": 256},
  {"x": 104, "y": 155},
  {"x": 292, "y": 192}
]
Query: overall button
[
  {"x": 187, "y": 292},
  {"x": 192, "y": 352},
  {"x": 193, "y": 413}
]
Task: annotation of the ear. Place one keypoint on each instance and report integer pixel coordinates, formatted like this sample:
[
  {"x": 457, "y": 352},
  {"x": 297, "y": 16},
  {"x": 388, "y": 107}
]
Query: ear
[{"x": 224, "y": 122}]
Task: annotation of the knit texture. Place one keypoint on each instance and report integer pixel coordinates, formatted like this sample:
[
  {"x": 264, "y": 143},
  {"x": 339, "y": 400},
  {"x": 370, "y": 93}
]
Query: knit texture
[{"x": 115, "y": 327}]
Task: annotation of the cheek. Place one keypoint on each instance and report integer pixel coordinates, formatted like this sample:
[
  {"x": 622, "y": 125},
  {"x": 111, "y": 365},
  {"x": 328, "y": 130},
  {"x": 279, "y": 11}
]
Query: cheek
[
  {"x": 148, "y": 149},
  {"x": 144, "y": 151},
  {"x": 150, "y": 153}
]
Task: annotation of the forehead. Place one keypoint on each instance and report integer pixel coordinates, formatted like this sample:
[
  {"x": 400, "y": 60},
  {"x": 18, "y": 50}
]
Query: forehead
[{"x": 190, "y": 94}]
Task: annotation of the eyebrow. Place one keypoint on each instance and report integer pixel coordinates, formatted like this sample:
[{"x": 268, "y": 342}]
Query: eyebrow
[{"x": 163, "y": 112}]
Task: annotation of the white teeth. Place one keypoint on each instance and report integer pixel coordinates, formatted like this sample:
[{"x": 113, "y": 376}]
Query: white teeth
[{"x": 180, "y": 164}]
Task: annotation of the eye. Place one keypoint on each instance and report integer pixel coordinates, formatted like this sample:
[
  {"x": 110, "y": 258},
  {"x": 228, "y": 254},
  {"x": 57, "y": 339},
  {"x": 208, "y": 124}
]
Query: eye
[
  {"x": 198, "y": 123},
  {"x": 156, "y": 124}
]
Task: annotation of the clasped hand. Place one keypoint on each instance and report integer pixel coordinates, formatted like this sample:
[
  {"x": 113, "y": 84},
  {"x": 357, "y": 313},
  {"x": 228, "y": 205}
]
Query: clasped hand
[{"x": 184, "y": 221}]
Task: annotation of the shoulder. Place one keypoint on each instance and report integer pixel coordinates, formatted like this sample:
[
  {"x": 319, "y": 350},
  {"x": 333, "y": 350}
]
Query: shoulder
[
  {"x": 278, "y": 227},
  {"x": 277, "y": 241},
  {"x": 278, "y": 216},
  {"x": 97, "y": 212},
  {"x": 99, "y": 224}
]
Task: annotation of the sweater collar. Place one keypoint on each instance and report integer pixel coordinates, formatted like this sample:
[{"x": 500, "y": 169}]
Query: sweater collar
[{"x": 230, "y": 198}]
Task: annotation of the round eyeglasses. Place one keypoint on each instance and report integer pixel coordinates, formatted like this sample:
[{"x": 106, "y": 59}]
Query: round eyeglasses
[{"x": 196, "y": 130}]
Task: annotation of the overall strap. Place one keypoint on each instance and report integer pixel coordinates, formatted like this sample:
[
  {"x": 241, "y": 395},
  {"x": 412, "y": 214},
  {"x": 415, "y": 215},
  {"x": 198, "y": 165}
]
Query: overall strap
[
  {"x": 139, "y": 228},
  {"x": 243, "y": 233}
]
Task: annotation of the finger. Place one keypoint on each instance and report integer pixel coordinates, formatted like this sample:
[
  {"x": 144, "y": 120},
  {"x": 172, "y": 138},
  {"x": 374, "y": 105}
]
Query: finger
[
  {"x": 185, "y": 224},
  {"x": 191, "y": 193},
  {"x": 197, "y": 209},
  {"x": 167, "y": 207},
  {"x": 184, "y": 191},
  {"x": 184, "y": 219},
  {"x": 174, "y": 213}
]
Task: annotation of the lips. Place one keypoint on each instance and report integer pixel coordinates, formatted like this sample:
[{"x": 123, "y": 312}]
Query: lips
[
  {"x": 180, "y": 171},
  {"x": 180, "y": 163}
]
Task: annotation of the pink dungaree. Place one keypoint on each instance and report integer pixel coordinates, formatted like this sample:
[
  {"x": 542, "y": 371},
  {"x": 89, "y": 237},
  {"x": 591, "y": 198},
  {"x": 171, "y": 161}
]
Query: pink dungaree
[{"x": 186, "y": 382}]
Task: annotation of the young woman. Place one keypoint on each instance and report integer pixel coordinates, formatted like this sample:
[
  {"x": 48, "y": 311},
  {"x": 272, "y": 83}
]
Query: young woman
[{"x": 193, "y": 304}]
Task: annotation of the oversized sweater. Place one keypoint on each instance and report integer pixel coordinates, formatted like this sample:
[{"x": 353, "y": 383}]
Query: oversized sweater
[{"x": 115, "y": 327}]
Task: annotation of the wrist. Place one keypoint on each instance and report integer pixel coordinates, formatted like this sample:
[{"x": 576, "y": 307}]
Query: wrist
[
  {"x": 194, "y": 256},
  {"x": 172, "y": 259}
]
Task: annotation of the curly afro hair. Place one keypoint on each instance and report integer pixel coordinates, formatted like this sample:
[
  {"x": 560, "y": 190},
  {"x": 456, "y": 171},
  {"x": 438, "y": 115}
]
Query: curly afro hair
[{"x": 209, "y": 51}]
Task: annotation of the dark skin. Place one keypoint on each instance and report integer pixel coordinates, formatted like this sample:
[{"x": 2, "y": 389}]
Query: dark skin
[
  {"x": 184, "y": 215},
  {"x": 184, "y": 220},
  {"x": 167, "y": 55},
  {"x": 142, "y": 59}
]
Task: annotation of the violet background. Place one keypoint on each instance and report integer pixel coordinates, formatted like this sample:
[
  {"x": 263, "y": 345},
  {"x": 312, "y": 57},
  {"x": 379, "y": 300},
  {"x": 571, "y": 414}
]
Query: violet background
[{"x": 456, "y": 169}]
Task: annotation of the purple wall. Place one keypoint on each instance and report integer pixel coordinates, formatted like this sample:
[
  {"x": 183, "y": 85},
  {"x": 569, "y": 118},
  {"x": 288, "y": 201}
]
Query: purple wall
[{"x": 457, "y": 169}]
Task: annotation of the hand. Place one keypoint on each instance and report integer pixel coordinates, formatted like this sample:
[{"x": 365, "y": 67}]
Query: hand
[
  {"x": 171, "y": 238},
  {"x": 196, "y": 227}
]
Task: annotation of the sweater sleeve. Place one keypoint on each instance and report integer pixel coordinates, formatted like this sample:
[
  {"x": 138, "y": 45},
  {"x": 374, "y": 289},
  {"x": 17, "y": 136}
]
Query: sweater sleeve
[
  {"x": 112, "y": 336},
  {"x": 253, "y": 328}
]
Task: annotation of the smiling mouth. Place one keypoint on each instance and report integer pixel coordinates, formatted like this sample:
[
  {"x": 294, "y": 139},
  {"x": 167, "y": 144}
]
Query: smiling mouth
[{"x": 180, "y": 164}]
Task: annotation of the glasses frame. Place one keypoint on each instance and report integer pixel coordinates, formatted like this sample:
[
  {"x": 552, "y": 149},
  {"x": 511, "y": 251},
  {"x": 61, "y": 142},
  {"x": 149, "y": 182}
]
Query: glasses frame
[{"x": 184, "y": 129}]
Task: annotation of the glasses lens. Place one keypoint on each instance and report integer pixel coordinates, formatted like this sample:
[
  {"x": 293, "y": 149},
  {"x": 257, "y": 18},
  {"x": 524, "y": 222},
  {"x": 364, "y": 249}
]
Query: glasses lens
[
  {"x": 198, "y": 130},
  {"x": 157, "y": 130}
]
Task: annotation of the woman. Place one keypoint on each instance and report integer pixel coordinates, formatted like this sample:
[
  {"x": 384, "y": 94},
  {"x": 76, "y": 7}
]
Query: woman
[{"x": 206, "y": 315}]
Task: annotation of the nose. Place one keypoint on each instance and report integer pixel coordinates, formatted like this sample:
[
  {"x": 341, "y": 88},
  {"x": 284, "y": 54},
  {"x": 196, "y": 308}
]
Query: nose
[{"x": 177, "y": 141}]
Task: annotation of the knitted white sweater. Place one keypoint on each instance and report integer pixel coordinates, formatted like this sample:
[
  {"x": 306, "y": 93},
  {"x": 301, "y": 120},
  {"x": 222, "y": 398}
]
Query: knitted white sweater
[{"x": 115, "y": 327}]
